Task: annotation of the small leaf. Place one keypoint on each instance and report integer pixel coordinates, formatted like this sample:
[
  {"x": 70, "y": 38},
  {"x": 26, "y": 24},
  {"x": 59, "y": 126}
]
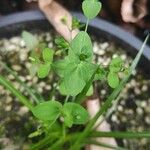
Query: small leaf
[
  {"x": 77, "y": 112},
  {"x": 43, "y": 70},
  {"x": 113, "y": 79},
  {"x": 68, "y": 119},
  {"x": 48, "y": 55},
  {"x": 30, "y": 40},
  {"x": 91, "y": 8},
  {"x": 76, "y": 23},
  {"x": 101, "y": 74},
  {"x": 35, "y": 134},
  {"x": 116, "y": 64},
  {"x": 61, "y": 43},
  {"x": 81, "y": 45},
  {"x": 47, "y": 111},
  {"x": 60, "y": 66}
]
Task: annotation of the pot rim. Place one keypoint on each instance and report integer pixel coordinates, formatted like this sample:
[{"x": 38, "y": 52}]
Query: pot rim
[{"x": 98, "y": 23}]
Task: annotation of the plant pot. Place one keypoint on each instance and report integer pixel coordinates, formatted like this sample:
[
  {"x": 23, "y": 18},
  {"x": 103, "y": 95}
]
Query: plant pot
[{"x": 14, "y": 24}]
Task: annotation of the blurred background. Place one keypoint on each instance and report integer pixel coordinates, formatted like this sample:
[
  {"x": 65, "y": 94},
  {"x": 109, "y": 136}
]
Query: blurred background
[{"x": 132, "y": 15}]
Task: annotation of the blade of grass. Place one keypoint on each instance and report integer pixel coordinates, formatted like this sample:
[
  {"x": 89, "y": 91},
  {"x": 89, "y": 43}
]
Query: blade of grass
[
  {"x": 93, "y": 142},
  {"x": 120, "y": 134},
  {"x": 108, "y": 102},
  {"x": 16, "y": 93},
  {"x": 28, "y": 89},
  {"x": 44, "y": 142}
]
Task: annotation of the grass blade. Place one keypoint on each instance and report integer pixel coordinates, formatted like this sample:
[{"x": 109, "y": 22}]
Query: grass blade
[
  {"x": 15, "y": 92},
  {"x": 28, "y": 89},
  {"x": 120, "y": 134}
]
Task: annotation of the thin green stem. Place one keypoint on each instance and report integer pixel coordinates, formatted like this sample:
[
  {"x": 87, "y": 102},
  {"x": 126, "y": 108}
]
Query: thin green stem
[
  {"x": 94, "y": 142},
  {"x": 63, "y": 130},
  {"x": 87, "y": 23},
  {"x": 16, "y": 93},
  {"x": 119, "y": 134},
  {"x": 29, "y": 90},
  {"x": 67, "y": 98},
  {"x": 45, "y": 141}
]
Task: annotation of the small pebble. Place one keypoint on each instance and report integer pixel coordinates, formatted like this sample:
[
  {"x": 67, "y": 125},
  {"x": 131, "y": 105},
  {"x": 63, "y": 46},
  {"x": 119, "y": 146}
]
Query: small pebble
[
  {"x": 8, "y": 108},
  {"x": 147, "y": 119},
  {"x": 23, "y": 110},
  {"x": 139, "y": 111},
  {"x": 144, "y": 88},
  {"x": 16, "y": 67},
  {"x": 103, "y": 92},
  {"x": 104, "y": 45}
]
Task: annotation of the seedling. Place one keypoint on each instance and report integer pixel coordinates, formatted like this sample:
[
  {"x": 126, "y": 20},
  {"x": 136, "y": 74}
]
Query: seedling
[{"x": 76, "y": 72}]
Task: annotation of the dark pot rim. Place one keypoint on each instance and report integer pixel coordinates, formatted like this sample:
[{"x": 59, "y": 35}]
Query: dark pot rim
[{"x": 97, "y": 26}]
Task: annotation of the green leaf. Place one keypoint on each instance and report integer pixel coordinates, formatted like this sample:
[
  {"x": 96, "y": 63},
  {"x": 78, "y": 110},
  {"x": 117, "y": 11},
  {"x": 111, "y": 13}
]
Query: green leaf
[
  {"x": 43, "y": 70},
  {"x": 100, "y": 74},
  {"x": 48, "y": 55},
  {"x": 77, "y": 112},
  {"x": 35, "y": 134},
  {"x": 47, "y": 111},
  {"x": 61, "y": 43},
  {"x": 75, "y": 78},
  {"x": 81, "y": 45},
  {"x": 72, "y": 84},
  {"x": 60, "y": 66},
  {"x": 30, "y": 40},
  {"x": 76, "y": 23},
  {"x": 90, "y": 91},
  {"x": 91, "y": 8},
  {"x": 113, "y": 79},
  {"x": 68, "y": 119},
  {"x": 116, "y": 64}
]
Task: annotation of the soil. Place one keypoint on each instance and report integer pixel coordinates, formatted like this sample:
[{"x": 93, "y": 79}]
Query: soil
[{"x": 130, "y": 113}]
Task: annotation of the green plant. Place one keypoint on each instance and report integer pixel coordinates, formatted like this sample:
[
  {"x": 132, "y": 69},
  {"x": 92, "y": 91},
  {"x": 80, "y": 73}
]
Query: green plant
[{"x": 76, "y": 72}]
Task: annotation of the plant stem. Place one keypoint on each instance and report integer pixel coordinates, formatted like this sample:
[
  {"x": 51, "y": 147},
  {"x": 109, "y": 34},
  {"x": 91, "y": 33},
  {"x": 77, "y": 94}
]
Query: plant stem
[
  {"x": 119, "y": 134},
  {"x": 29, "y": 90},
  {"x": 108, "y": 102},
  {"x": 63, "y": 130},
  {"x": 94, "y": 142},
  {"x": 15, "y": 92},
  {"x": 67, "y": 98},
  {"x": 87, "y": 23}
]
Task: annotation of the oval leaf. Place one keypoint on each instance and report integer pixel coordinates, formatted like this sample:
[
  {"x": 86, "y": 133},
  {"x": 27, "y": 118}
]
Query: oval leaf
[
  {"x": 81, "y": 45},
  {"x": 30, "y": 40},
  {"x": 47, "y": 54},
  {"x": 43, "y": 70},
  {"x": 77, "y": 112},
  {"x": 91, "y": 8},
  {"x": 113, "y": 80},
  {"x": 47, "y": 111},
  {"x": 116, "y": 64}
]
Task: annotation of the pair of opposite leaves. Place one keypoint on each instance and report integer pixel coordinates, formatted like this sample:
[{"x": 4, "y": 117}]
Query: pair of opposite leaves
[{"x": 50, "y": 111}]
